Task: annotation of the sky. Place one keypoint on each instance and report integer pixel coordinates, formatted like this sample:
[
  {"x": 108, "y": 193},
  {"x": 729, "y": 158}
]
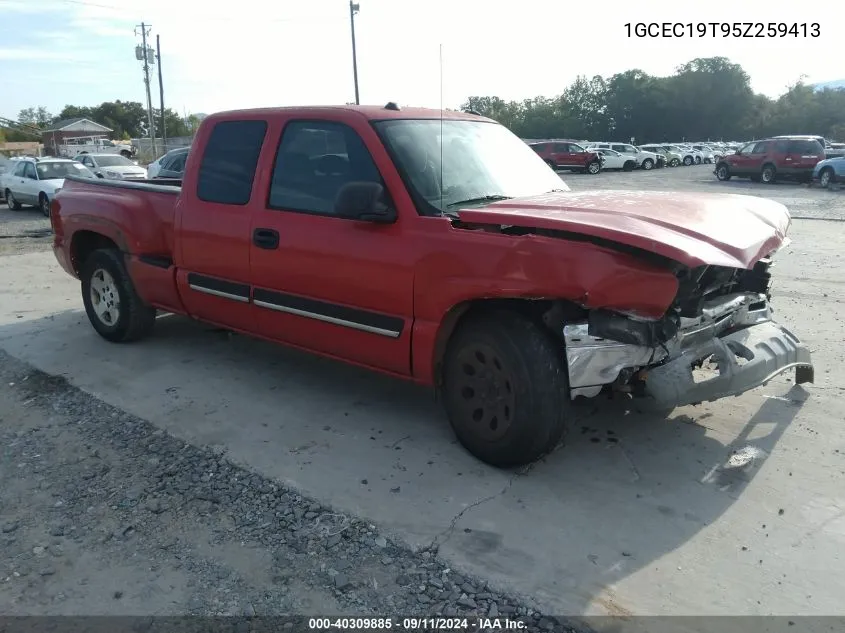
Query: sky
[{"x": 254, "y": 53}]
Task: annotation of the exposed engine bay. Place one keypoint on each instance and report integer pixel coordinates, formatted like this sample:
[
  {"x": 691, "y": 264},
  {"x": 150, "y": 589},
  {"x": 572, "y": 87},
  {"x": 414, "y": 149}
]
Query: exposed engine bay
[{"x": 717, "y": 339}]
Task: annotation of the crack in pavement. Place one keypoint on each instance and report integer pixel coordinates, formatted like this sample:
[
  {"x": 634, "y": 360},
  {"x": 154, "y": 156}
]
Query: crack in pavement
[{"x": 446, "y": 534}]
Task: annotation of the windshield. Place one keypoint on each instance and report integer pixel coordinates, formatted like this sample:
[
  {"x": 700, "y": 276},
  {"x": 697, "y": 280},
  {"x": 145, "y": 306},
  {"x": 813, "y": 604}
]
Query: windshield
[
  {"x": 113, "y": 161},
  {"x": 480, "y": 162},
  {"x": 48, "y": 171}
]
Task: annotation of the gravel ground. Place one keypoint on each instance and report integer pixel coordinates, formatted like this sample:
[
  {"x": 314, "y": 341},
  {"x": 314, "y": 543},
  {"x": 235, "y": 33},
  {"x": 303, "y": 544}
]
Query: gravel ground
[
  {"x": 104, "y": 514},
  {"x": 24, "y": 231}
]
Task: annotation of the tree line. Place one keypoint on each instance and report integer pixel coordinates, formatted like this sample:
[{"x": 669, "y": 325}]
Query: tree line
[
  {"x": 127, "y": 119},
  {"x": 706, "y": 99}
]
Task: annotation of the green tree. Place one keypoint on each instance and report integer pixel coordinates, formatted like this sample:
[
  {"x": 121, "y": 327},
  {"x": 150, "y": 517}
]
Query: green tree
[{"x": 37, "y": 117}]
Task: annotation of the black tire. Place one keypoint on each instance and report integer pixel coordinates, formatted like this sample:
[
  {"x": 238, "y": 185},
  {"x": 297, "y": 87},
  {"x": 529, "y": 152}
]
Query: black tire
[
  {"x": 698, "y": 160},
  {"x": 629, "y": 165},
  {"x": 722, "y": 172},
  {"x": 12, "y": 202},
  {"x": 768, "y": 174},
  {"x": 551, "y": 164},
  {"x": 522, "y": 410},
  {"x": 126, "y": 153},
  {"x": 688, "y": 160},
  {"x": 44, "y": 204},
  {"x": 647, "y": 164},
  {"x": 827, "y": 177},
  {"x": 674, "y": 162},
  {"x": 594, "y": 168},
  {"x": 134, "y": 319}
]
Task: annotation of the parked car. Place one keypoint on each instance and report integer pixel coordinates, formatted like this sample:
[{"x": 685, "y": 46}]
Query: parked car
[
  {"x": 829, "y": 171},
  {"x": 565, "y": 154},
  {"x": 708, "y": 154},
  {"x": 5, "y": 166},
  {"x": 112, "y": 166},
  {"x": 505, "y": 291},
  {"x": 645, "y": 160},
  {"x": 171, "y": 165},
  {"x": 154, "y": 167},
  {"x": 698, "y": 157},
  {"x": 612, "y": 159},
  {"x": 36, "y": 181},
  {"x": 768, "y": 160},
  {"x": 672, "y": 159},
  {"x": 687, "y": 156}
]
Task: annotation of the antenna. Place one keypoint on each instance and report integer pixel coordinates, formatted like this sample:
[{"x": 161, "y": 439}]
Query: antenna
[{"x": 441, "y": 126}]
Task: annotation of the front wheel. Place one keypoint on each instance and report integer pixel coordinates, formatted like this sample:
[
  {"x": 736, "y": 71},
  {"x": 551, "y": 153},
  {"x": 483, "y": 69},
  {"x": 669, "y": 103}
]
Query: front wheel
[
  {"x": 594, "y": 168},
  {"x": 675, "y": 162},
  {"x": 722, "y": 172},
  {"x": 113, "y": 306},
  {"x": 629, "y": 165},
  {"x": 505, "y": 389},
  {"x": 826, "y": 177},
  {"x": 698, "y": 160},
  {"x": 44, "y": 204},
  {"x": 648, "y": 164},
  {"x": 688, "y": 160}
]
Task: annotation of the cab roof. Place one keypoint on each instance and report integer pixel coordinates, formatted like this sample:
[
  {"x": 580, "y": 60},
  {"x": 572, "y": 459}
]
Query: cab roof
[{"x": 370, "y": 112}]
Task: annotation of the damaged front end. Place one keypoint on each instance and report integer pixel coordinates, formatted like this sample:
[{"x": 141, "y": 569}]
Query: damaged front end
[{"x": 718, "y": 339}]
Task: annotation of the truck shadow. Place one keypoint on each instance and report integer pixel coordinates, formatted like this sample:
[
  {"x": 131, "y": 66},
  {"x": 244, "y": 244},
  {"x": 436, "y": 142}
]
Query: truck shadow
[{"x": 626, "y": 490}]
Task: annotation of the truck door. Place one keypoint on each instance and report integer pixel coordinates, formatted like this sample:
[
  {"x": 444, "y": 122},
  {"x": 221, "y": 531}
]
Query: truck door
[
  {"x": 213, "y": 218},
  {"x": 326, "y": 283}
]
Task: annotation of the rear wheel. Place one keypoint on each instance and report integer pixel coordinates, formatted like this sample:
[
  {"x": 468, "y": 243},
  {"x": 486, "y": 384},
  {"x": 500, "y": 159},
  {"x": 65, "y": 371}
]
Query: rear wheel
[
  {"x": 111, "y": 302},
  {"x": 648, "y": 164},
  {"x": 722, "y": 172},
  {"x": 594, "y": 168},
  {"x": 14, "y": 205},
  {"x": 674, "y": 162},
  {"x": 698, "y": 160},
  {"x": 688, "y": 160},
  {"x": 505, "y": 389},
  {"x": 826, "y": 177},
  {"x": 629, "y": 165},
  {"x": 126, "y": 153},
  {"x": 768, "y": 174}
]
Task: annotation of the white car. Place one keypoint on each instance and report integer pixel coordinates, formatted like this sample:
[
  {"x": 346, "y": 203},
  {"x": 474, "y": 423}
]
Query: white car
[
  {"x": 611, "y": 159},
  {"x": 36, "y": 181},
  {"x": 645, "y": 160},
  {"x": 708, "y": 154},
  {"x": 698, "y": 157},
  {"x": 113, "y": 166}
]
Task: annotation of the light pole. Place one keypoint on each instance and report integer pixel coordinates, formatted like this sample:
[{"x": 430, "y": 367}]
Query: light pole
[{"x": 353, "y": 9}]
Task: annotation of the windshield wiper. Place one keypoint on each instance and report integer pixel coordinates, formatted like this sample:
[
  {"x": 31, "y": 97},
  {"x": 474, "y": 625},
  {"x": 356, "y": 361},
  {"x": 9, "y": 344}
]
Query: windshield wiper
[{"x": 478, "y": 200}]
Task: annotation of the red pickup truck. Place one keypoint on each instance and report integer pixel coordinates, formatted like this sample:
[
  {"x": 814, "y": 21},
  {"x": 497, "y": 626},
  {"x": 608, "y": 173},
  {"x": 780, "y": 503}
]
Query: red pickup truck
[{"x": 438, "y": 247}]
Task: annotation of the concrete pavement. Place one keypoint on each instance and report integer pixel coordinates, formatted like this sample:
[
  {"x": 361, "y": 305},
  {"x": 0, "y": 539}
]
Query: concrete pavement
[{"x": 735, "y": 507}]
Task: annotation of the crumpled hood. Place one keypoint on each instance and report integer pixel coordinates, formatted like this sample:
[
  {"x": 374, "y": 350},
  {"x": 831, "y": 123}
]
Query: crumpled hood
[{"x": 694, "y": 229}]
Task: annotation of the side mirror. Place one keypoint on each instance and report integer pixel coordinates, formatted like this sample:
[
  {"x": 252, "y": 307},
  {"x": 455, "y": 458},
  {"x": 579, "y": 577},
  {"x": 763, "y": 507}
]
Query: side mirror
[{"x": 364, "y": 201}]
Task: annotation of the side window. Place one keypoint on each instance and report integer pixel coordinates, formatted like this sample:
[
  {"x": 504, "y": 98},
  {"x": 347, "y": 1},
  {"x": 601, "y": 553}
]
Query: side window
[
  {"x": 87, "y": 161},
  {"x": 29, "y": 171},
  {"x": 540, "y": 147},
  {"x": 560, "y": 147},
  {"x": 228, "y": 164},
  {"x": 805, "y": 147},
  {"x": 760, "y": 148},
  {"x": 179, "y": 163},
  {"x": 314, "y": 160},
  {"x": 618, "y": 148},
  {"x": 781, "y": 147},
  {"x": 19, "y": 170}
]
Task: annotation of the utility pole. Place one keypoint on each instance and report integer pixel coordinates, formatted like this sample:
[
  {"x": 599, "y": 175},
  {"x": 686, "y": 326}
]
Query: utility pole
[
  {"x": 161, "y": 92},
  {"x": 144, "y": 53},
  {"x": 353, "y": 9}
]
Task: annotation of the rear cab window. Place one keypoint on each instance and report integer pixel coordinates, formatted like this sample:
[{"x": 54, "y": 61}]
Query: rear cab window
[{"x": 229, "y": 160}]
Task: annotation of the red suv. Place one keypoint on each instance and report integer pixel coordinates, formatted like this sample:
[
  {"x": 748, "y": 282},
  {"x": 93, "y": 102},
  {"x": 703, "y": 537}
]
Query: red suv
[
  {"x": 770, "y": 159},
  {"x": 568, "y": 155}
]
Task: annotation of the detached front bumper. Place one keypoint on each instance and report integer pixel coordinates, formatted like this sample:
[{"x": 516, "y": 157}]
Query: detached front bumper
[{"x": 735, "y": 337}]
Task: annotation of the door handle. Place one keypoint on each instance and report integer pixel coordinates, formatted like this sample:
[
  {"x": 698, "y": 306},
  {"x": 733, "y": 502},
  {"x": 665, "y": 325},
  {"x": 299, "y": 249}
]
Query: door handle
[{"x": 266, "y": 238}]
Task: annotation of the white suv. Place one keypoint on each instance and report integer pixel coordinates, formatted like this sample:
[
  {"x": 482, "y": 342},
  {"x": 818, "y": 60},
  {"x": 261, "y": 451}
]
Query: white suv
[{"x": 645, "y": 160}]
